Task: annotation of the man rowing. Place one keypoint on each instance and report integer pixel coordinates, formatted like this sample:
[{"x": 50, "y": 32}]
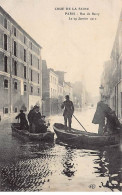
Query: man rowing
[{"x": 68, "y": 111}]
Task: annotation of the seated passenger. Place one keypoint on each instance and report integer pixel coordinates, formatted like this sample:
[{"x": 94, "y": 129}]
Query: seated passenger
[
  {"x": 42, "y": 126},
  {"x": 23, "y": 121},
  {"x": 113, "y": 124}
]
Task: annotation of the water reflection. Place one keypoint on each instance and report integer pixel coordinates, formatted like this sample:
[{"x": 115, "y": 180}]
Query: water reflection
[
  {"x": 69, "y": 168},
  {"x": 109, "y": 165}
]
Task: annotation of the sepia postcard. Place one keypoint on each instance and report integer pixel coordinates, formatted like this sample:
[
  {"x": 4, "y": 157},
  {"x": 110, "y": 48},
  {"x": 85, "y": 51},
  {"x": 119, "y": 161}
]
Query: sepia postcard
[{"x": 60, "y": 95}]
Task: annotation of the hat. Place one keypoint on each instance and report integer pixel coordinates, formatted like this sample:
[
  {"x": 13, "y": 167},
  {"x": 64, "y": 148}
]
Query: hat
[
  {"x": 67, "y": 96},
  {"x": 36, "y": 106}
]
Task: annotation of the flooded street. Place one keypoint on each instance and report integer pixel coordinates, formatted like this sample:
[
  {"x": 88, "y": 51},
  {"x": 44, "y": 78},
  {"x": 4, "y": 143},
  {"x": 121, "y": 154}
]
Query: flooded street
[{"x": 55, "y": 166}]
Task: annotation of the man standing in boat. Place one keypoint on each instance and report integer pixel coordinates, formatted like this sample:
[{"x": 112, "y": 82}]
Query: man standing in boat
[
  {"x": 34, "y": 116},
  {"x": 68, "y": 111}
]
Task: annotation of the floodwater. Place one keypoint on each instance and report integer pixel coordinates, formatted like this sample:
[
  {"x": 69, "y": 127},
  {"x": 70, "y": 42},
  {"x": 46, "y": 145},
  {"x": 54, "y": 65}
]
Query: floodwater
[{"x": 33, "y": 166}]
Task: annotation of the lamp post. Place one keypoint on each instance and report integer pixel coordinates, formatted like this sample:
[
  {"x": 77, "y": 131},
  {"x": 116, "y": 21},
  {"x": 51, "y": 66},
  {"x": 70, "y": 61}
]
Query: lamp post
[{"x": 101, "y": 88}]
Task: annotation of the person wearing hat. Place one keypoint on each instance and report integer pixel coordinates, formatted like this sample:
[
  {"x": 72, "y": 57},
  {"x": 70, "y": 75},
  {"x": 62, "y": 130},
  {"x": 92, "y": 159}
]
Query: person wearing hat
[
  {"x": 23, "y": 121},
  {"x": 68, "y": 111},
  {"x": 100, "y": 115},
  {"x": 34, "y": 118}
]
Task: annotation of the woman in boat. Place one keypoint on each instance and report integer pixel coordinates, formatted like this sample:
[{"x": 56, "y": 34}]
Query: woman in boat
[{"x": 23, "y": 121}]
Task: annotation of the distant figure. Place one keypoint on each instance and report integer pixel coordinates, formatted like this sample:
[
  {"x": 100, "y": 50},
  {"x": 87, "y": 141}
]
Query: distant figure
[
  {"x": 68, "y": 111},
  {"x": 23, "y": 121},
  {"x": 99, "y": 116}
]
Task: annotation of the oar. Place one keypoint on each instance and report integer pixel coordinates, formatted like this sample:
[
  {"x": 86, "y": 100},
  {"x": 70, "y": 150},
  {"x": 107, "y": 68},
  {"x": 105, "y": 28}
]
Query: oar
[{"x": 79, "y": 122}]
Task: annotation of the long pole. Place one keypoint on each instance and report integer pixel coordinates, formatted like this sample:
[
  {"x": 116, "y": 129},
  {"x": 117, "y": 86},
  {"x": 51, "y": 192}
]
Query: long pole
[{"x": 79, "y": 123}]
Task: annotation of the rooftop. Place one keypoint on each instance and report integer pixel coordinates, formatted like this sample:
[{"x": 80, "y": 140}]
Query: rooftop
[{"x": 18, "y": 26}]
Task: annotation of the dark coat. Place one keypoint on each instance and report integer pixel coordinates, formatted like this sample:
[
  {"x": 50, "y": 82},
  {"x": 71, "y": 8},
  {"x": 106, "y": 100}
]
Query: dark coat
[
  {"x": 36, "y": 116},
  {"x": 30, "y": 116},
  {"x": 68, "y": 108},
  {"x": 23, "y": 121},
  {"x": 100, "y": 114}
]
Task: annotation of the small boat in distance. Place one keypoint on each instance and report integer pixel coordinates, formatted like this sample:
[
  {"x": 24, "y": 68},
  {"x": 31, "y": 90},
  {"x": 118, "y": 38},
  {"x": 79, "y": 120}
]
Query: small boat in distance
[
  {"x": 82, "y": 138},
  {"x": 24, "y": 134}
]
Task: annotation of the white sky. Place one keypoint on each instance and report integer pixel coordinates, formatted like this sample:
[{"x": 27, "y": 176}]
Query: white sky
[{"x": 77, "y": 47}]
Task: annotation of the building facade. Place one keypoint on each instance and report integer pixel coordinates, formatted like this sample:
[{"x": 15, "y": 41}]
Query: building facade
[
  {"x": 54, "y": 90},
  {"x": 112, "y": 75},
  {"x": 49, "y": 90},
  {"x": 68, "y": 89},
  {"x": 20, "y": 67}
]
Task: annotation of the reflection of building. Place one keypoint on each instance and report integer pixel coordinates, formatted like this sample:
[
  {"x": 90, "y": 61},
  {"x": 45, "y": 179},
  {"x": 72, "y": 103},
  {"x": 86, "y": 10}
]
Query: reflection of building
[
  {"x": 68, "y": 164},
  {"x": 20, "y": 67},
  {"x": 112, "y": 76}
]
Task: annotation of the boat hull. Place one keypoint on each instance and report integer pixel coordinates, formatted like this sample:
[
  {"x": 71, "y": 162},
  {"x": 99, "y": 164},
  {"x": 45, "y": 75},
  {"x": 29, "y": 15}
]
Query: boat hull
[
  {"x": 82, "y": 138},
  {"x": 24, "y": 134}
]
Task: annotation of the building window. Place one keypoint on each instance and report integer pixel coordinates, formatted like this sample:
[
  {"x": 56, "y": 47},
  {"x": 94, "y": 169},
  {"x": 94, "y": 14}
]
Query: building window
[
  {"x": 31, "y": 59},
  {"x": 38, "y": 78},
  {"x": 31, "y": 45},
  {"x": 31, "y": 75},
  {"x": 5, "y": 64},
  {"x": 25, "y": 87},
  {"x": 6, "y": 83},
  {"x": 24, "y": 72},
  {"x": 15, "y": 110},
  {"x": 15, "y": 68},
  {"x": 38, "y": 64},
  {"x": 51, "y": 92},
  {"x": 15, "y": 48},
  {"x": 24, "y": 55},
  {"x": 38, "y": 91},
  {"x": 5, "y": 42},
  {"x": 5, "y": 23},
  {"x": 15, "y": 32},
  {"x": 5, "y": 110},
  {"x": 31, "y": 89},
  {"x": 15, "y": 85},
  {"x": 24, "y": 40}
]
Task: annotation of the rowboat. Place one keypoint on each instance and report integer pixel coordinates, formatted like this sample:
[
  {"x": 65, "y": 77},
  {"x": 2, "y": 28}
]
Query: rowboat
[
  {"x": 24, "y": 134},
  {"x": 82, "y": 138}
]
